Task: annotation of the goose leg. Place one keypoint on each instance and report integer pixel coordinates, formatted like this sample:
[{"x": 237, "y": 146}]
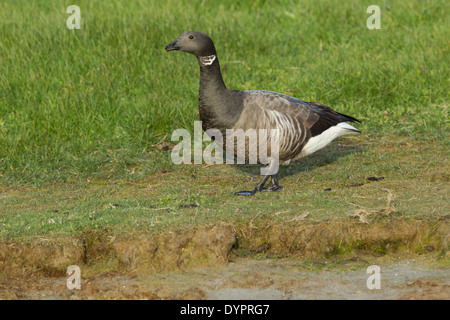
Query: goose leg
[
  {"x": 275, "y": 184},
  {"x": 259, "y": 187}
]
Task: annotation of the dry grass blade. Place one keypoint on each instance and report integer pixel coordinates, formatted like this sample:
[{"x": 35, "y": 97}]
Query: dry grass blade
[
  {"x": 280, "y": 212},
  {"x": 389, "y": 207},
  {"x": 300, "y": 217},
  {"x": 362, "y": 213}
]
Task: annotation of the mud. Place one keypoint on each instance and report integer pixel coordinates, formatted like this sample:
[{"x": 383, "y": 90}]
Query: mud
[
  {"x": 410, "y": 278},
  {"x": 259, "y": 260}
]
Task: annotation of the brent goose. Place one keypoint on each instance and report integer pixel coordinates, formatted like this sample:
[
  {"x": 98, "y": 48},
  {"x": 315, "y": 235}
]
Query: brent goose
[{"x": 303, "y": 127}]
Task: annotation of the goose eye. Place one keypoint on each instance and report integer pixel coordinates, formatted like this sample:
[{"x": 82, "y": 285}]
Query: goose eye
[{"x": 191, "y": 37}]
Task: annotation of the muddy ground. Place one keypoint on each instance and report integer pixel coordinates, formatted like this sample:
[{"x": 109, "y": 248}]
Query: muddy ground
[
  {"x": 326, "y": 260},
  {"x": 408, "y": 278}
]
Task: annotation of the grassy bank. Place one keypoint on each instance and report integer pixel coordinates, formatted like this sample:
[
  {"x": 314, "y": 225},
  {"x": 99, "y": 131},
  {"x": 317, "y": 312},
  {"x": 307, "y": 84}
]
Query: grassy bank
[
  {"x": 334, "y": 184},
  {"x": 86, "y": 115}
]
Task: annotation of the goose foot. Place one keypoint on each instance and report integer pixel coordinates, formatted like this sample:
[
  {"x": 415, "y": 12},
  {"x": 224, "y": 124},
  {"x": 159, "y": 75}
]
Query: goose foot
[
  {"x": 273, "y": 188},
  {"x": 275, "y": 185},
  {"x": 260, "y": 187}
]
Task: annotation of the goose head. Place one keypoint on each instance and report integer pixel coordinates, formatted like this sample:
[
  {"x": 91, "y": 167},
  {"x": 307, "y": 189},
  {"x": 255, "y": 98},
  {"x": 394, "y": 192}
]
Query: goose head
[{"x": 195, "y": 42}]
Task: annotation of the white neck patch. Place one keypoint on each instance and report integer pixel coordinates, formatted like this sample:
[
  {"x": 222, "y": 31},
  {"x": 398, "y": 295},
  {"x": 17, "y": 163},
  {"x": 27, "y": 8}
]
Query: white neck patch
[{"x": 207, "y": 60}]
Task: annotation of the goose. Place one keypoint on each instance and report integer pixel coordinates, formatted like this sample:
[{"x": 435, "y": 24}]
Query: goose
[{"x": 303, "y": 127}]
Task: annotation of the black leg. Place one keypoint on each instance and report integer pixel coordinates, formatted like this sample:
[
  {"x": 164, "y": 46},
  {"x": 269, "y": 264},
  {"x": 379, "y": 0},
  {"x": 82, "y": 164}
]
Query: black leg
[
  {"x": 275, "y": 185},
  {"x": 259, "y": 187}
]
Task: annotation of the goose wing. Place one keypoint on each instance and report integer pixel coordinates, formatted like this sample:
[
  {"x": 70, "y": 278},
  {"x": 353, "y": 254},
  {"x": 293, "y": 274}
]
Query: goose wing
[
  {"x": 304, "y": 127},
  {"x": 314, "y": 116}
]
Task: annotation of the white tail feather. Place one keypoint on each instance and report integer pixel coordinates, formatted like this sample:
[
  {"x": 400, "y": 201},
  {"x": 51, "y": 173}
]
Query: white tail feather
[{"x": 322, "y": 140}]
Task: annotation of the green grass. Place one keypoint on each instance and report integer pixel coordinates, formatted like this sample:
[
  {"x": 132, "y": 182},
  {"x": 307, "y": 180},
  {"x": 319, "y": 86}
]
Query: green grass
[
  {"x": 94, "y": 104},
  {"x": 189, "y": 196},
  {"x": 91, "y": 100}
]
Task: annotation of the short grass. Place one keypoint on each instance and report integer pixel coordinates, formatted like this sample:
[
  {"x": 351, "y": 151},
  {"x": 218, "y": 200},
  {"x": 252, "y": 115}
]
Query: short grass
[
  {"x": 84, "y": 113},
  {"x": 330, "y": 185}
]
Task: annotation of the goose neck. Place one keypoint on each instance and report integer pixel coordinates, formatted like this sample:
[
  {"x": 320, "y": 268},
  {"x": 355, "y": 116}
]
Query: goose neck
[{"x": 211, "y": 81}]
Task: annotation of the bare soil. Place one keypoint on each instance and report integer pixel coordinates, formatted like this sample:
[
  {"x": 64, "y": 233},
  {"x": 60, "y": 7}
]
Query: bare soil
[
  {"x": 261, "y": 260},
  {"x": 409, "y": 278}
]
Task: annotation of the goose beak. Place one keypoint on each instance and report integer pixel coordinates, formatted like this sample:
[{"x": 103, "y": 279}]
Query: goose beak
[{"x": 173, "y": 46}]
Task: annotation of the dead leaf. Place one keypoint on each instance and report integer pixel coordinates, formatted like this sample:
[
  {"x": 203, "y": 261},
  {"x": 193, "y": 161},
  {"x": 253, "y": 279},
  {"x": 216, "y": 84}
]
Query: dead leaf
[
  {"x": 280, "y": 212},
  {"x": 300, "y": 217}
]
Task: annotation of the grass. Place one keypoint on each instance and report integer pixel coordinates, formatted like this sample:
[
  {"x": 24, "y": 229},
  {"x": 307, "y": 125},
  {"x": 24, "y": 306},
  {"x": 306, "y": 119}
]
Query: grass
[
  {"x": 84, "y": 113},
  {"x": 203, "y": 195}
]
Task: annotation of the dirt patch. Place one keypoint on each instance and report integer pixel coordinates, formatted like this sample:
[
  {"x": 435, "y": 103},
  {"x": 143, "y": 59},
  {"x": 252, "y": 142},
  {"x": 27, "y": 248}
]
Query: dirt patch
[
  {"x": 101, "y": 251},
  {"x": 98, "y": 251},
  {"x": 329, "y": 238},
  {"x": 203, "y": 246},
  {"x": 413, "y": 277},
  {"x": 147, "y": 266},
  {"x": 42, "y": 256},
  {"x": 425, "y": 289}
]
